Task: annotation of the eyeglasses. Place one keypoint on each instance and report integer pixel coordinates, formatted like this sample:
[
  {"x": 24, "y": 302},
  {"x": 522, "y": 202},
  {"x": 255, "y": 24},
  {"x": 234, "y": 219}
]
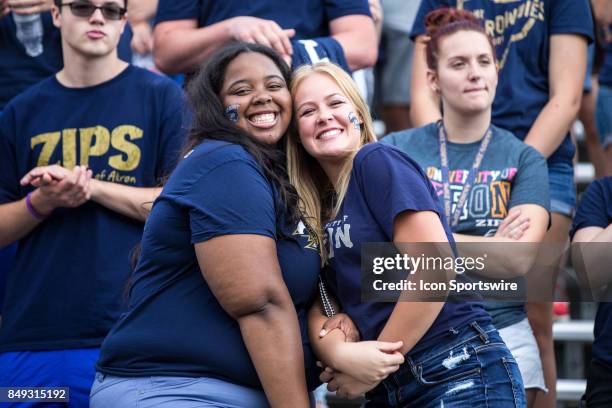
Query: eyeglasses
[{"x": 110, "y": 11}]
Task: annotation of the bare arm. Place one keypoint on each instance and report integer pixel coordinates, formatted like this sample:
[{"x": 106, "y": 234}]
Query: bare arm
[
  {"x": 180, "y": 46},
  {"x": 133, "y": 202},
  {"x": 141, "y": 10},
  {"x": 424, "y": 103},
  {"x": 409, "y": 321},
  {"x": 591, "y": 257},
  {"x": 567, "y": 67},
  {"x": 524, "y": 223},
  {"x": 243, "y": 273},
  {"x": 357, "y": 36}
]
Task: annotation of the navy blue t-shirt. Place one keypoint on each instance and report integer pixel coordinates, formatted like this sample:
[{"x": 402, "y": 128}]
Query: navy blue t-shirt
[
  {"x": 511, "y": 173},
  {"x": 384, "y": 182},
  {"x": 18, "y": 71},
  {"x": 175, "y": 326},
  {"x": 65, "y": 287},
  {"x": 595, "y": 210},
  {"x": 309, "y": 18},
  {"x": 521, "y": 31},
  {"x": 605, "y": 71}
]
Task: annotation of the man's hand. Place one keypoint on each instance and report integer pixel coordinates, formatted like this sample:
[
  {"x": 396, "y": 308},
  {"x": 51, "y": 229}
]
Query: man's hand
[
  {"x": 142, "y": 38},
  {"x": 264, "y": 32},
  {"x": 58, "y": 187},
  {"x": 29, "y": 6}
]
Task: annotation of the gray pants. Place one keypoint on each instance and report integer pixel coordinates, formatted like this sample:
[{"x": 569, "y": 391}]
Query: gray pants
[{"x": 176, "y": 392}]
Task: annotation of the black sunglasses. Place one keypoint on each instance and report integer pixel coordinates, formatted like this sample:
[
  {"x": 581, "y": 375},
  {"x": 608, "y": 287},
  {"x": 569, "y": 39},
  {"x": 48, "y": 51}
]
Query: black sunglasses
[{"x": 110, "y": 11}]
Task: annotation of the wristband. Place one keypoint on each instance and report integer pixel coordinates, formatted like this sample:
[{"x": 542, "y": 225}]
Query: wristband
[{"x": 38, "y": 216}]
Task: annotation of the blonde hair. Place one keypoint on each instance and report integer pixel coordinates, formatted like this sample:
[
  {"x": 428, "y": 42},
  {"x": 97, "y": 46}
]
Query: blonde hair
[{"x": 314, "y": 189}]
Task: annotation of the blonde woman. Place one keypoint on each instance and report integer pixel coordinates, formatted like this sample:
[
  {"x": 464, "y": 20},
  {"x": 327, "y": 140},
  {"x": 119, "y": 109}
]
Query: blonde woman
[{"x": 358, "y": 191}]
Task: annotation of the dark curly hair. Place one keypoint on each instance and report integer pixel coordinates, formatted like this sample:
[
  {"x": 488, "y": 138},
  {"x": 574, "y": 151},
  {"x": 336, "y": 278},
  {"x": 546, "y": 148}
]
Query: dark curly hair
[{"x": 209, "y": 120}]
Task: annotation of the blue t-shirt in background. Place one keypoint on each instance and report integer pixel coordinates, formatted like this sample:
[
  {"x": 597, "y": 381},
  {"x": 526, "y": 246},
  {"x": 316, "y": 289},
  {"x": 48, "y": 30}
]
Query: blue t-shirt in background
[
  {"x": 511, "y": 173},
  {"x": 595, "y": 210},
  {"x": 384, "y": 183},
  {"x": 18, "y": 70},
  {"x": 521, "y": 31},
  {"x": 175, "y": 326},
  {"x": 65, "y": 287},
  {"x": 309, "y": 18},
  {"x": 605, "y": 71}
]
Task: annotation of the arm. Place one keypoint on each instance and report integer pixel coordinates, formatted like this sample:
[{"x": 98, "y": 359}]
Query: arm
[
  {"x": 133, "y": 202},
  {"x": 528, "y": 222},
  {"x": 243, "y": 273},
  {"x": 180, "y": 46},
  {"x": 409, "y": 321},
  {"x": 27, "y": 6},
  {"x": 141, "y": 10},
  {"x": 591, "y": 257},
  {"x": 424, "y": 103},
  {"x": 357, "y": 36},
  {"x": 602, "y": 11},
  {"x": 567, "y": 67}
]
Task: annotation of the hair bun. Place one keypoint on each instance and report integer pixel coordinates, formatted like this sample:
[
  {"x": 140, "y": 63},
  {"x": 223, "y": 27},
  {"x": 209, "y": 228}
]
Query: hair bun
[{"x": 442, "y": 17}]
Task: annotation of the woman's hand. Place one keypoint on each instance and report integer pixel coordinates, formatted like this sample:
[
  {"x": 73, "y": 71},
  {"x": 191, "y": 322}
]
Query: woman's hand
[
  {"x": 513, "y": 226},
  {"x": 368, "y": 361},
  {"x": 346, "y": 386},
  {"x": 344, "y": 323}
]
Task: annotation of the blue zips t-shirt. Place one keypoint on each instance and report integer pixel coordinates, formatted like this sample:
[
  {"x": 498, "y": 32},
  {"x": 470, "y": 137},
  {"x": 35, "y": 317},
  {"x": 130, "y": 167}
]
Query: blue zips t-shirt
[
  {"x": 384, "y": 183},
  {"x": 66, "y": 283},
  {"x": 521, "y": 31},
  {"x": 174, "y": 325}
]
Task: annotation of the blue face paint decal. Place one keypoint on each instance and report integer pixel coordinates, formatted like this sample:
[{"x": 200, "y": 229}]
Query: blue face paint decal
[
  {"x": 232, "y": 112},
  {"x": 353, "y": 119}
]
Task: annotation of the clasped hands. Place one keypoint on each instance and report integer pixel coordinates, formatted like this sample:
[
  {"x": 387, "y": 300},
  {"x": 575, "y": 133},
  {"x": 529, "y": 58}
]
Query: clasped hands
[
  {"x": 59, "y": 187},
  {"x": 358, "y": 366}
]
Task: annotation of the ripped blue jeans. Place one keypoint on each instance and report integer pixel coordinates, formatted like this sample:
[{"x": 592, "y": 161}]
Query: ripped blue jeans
[{"x": 470, "y": 367}]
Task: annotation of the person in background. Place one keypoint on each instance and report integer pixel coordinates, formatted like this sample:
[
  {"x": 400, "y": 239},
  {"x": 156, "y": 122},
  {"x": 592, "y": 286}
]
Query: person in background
[
  {"x": 592, "y": 235},
  {"x": 541, "y": 48},
  {"x": 18, "y": 70},
  {"x": 497, "y": 185},
  {"x": 82, "y": 155},
  {"x": 603, "y": 110},
  {"x": 394, "y": 71},
  {"x": 187, "y": 31}
]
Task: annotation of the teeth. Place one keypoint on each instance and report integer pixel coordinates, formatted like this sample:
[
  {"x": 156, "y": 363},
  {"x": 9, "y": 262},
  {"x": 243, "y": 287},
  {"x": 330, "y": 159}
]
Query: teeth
[
  {"x": 329, "y": 133},
  {"x": 263, "y": 118}
]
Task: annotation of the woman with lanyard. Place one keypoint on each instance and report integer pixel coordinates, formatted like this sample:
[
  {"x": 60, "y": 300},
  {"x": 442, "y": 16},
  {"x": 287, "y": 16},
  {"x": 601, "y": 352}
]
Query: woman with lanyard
[
  {"x": 493, "y": 186},
  {"x": 378, "y": 194}
]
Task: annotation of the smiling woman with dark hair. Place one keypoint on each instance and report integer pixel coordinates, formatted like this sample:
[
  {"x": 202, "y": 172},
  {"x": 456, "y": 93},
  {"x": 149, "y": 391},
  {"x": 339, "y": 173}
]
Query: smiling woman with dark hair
[{"x": 226, "y": 271}]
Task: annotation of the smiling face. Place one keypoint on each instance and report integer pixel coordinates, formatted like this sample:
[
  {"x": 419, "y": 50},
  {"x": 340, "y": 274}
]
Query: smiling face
[
  {"x": 328, "y": 122},
  {"x": 466, "y": 76},
  {"x": 256, "y": 97},
  {"x": 93, "y": 36}
]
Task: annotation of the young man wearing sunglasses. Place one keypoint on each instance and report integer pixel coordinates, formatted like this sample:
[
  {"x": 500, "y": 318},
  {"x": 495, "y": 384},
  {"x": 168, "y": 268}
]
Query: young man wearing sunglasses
[{"x": 82, "y": 152}]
